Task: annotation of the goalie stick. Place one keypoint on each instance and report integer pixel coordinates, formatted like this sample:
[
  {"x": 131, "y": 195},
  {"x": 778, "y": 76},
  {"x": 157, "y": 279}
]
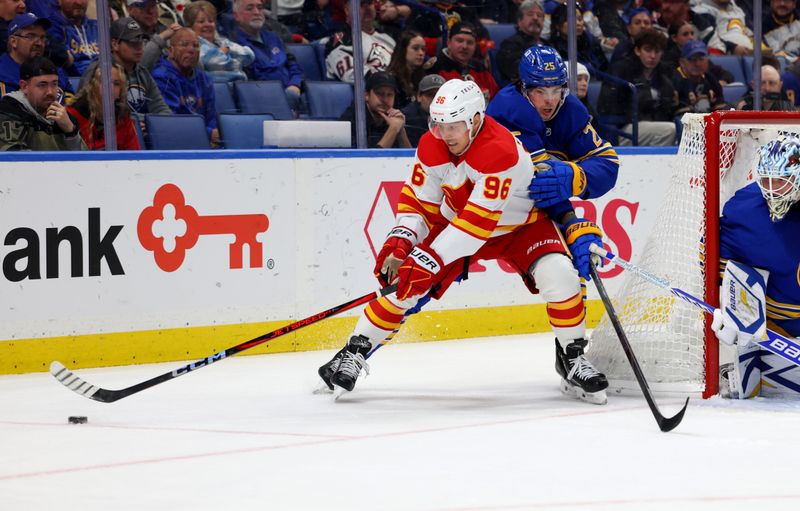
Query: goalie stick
[
  {"x": 782, "y": 346},
  {"x": 80, "y": 386},
  {"x": 664, "y": 423}
]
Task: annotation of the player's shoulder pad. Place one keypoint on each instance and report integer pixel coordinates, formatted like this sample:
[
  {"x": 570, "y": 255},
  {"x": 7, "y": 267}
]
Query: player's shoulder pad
[
  {"x": 572, "y": 117},
  {"x": 509, "y": 107},
  {"x": 494, "y": 149},
  {"x": 432, "y": 151}
]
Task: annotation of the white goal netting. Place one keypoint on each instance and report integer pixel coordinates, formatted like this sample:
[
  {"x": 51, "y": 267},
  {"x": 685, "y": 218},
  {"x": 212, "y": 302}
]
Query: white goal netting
[{"x": 667, "y": 334}]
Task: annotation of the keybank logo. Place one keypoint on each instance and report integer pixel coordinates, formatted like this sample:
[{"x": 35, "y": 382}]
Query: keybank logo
[{"x": 168, "y": 228}]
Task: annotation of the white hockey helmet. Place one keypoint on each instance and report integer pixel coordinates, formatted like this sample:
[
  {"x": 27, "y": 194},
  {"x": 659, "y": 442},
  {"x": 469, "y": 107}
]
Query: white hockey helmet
[
  {"x": 778, "y": 174},
  {"x": 457, "y": 101}
]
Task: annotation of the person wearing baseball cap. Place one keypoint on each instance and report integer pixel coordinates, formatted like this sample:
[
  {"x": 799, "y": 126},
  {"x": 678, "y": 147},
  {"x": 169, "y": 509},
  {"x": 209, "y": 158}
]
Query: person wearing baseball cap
[
  {"x": 128, "y": 40},
  {"x": 417, "y": 112},
  {"x": 32, "y": 118},
  {"x": 698, "y": 90},
  {"x": 385, "y": 124},
  {"x": 458, "y": 59},
  {"x": 26, "y": 39}
]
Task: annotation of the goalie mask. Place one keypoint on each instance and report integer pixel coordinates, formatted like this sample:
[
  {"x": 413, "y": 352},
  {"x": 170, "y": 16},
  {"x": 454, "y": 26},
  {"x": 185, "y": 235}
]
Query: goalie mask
[{"x": 778, "y": 174}]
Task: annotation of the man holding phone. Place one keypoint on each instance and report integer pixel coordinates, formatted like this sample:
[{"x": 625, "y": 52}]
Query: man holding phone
[{"x": 32, "y": 118}]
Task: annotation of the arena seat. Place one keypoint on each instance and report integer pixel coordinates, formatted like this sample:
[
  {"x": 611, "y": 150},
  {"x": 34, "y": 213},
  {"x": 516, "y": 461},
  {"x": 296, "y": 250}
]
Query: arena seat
[
  {"x": 499, "y": 32},
  {"x": 242, "y": 131},
  {"x": 224, "y": 98},
  {"x": 263, "y": 97},
  {"x": 308, "y": 59},
  {"x": 732, "y": 93},
  {"x": 174, "y": 132},
  {"x": 328, "y": 100},
  {"x": 733, "y": 65}
]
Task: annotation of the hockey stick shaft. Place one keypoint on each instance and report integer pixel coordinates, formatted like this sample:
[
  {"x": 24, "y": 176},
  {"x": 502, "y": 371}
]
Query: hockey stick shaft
[
  {"x": 776, "y": 343},
  {"x": 664, "y": 423},
  {"x": 76, "y": 384}
]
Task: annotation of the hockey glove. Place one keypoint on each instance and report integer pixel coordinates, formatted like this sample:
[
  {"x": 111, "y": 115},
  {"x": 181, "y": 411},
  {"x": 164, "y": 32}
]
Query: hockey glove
[
  {"x": 416, "y": 274},
  {"x": 724, "y": 328},
  {"x": 555, "y": 181},
  {"x": 580, "y": 235},
  {"x": 395, "y": 249}
]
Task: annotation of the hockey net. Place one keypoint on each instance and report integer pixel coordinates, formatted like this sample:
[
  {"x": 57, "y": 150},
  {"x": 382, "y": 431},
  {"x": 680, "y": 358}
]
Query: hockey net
[{"x": 672, "y": 339}]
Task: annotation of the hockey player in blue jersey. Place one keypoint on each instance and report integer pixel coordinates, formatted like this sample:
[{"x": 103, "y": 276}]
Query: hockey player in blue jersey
[
  {"x": 572, "y": 159},
  {"x": 758, "y": 240}
]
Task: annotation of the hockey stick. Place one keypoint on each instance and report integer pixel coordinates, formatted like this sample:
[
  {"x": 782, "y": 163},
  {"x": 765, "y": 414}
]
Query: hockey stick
[
  {"x": 776, "y": 343},
  {"x": 664, "y": 423},
  {"x": 78, "y": 385}
]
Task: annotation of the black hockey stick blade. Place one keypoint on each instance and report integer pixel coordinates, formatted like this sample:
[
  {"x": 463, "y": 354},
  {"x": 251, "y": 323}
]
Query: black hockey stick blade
[
  {"x": 664, "y": 423},
  {"x": 85, "y": 389}
]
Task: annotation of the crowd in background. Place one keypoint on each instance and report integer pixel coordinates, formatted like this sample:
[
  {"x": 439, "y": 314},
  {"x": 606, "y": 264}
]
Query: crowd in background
[{"x": 168, "y": 55}]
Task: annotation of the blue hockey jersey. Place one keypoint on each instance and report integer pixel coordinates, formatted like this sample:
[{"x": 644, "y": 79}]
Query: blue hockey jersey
[
  {"x": 569, "y": 136},
  {"x": 748, "y": 236}
]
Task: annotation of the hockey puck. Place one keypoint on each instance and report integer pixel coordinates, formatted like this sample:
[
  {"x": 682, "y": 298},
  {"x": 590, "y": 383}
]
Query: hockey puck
[{"x": 78, "y": 419}]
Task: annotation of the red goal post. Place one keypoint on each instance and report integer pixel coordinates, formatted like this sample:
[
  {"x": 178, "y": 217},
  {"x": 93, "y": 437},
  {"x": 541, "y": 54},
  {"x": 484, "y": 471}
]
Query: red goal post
[{"x": 673, "y": 341}]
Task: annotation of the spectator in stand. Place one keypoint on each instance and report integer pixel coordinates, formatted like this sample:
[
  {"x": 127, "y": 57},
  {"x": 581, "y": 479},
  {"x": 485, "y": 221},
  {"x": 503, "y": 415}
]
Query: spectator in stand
[
  {"x": 773, "y": 97},
  {"x": 612, "y": 14},
  {"x": 385, "y": 124},
  {"x": 418, "y": 112},
  {"x": 26, "y": 39},
  {"x": 582, "y": 91},
  {"x": 428, "y": 21},
  {"x": 731, "y": 35},
  {"x": 791, "y": 82},
  {"x": 636, "y": 20},
  {"x": 317, "y": 22},
  {"x": 376, "y": 46},
  {"x": 698, "y": 90},
  {"x": 87, "y": 109},
  {"x": 223, "y": 59},
  {"x": 677, "y": 12},
  {"x": 186, "y": 88},
  {"x": 32, "y": 119},
  {"x": 406, "y": 66},
  {"x": 127, "y": 48},
  {"x": 590, "y": 52},
  {"x": 781, "y": 26},
  {"x": 530, "y": 20},
  {"x": 78, "y": 33},
  {"x": 145, "y": 12},
  {"x": 390, "y": 18},
  {"x": 8, "y": 9},
  {"x": 271, "y": 60},
  {"x": 290, "y": 13},
  {"x": 458, "y": 60},
  {"x": 657, "y": 98},
  {"x": 679, "y": 35}
]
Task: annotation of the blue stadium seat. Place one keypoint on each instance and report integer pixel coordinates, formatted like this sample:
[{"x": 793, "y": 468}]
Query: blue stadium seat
[
  {"x": 732, "y": 93},
  {"x": 242, "y": 131},
  {"x": 173, "y": 131},
  {"x": 224, "y": 98},
  {"x": 308, "y": 59},
  {"x": 593, "y": 93},
  {"x": 75, "y": 81},
  {"x": 498, "y": 77},
  {"x": 499, "y": 32},
  {"x": 328, "y": 100},
  {"x": 747, "y": 64},
  {"x": 732, "y": 64},
  {"x": 263, "y": 97}
]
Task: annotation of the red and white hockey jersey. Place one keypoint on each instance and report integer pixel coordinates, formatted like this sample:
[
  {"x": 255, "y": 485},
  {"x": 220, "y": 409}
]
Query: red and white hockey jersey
[
  {"x": 377, "y": 48},
  {"x": 476, "y": 196}
]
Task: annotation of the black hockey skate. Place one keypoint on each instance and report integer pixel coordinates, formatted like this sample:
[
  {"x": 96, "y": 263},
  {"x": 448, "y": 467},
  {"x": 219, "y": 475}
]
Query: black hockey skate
[
  {"x": 350, "y": 365},
  {"x": 579, "y": 378},
  {"x": 326, "y": 371}
]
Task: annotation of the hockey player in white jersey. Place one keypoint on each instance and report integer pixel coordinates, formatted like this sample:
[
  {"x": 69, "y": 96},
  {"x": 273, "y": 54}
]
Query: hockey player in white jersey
[
  {"x": 760, "y": 261},
  {"x": 467, "y": 200}
]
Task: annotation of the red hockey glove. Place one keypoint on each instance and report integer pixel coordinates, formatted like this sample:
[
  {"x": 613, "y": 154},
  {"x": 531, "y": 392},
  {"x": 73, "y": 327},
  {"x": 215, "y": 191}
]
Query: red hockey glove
[
  {"x": 395, "y": 249},
  {"x": 416, "y": 274}
]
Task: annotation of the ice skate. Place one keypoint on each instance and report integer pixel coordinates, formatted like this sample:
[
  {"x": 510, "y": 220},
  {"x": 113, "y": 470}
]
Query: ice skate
[
  {"x": 579, "y": 378},
  {"x": 326, "y": 371},
  {"x": 351, "y": 363}
]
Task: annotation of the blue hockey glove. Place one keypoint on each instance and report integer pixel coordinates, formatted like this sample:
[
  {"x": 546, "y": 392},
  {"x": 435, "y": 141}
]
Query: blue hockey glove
[
  {"x": 580, "y": 234},
  {"x": 556, "y": 181}
]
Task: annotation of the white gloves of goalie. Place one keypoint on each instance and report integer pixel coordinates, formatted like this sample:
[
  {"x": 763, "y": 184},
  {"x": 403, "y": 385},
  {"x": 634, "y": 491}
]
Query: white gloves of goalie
[{"x": 724, "y": 328}]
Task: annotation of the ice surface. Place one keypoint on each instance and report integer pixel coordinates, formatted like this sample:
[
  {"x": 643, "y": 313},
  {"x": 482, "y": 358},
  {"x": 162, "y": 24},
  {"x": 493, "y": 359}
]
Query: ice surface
[{"x": 457, "y": 425}]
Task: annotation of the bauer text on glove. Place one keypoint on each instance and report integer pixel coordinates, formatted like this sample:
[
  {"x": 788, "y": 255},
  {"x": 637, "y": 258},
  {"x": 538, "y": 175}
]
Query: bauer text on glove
[
  {"x": 580, "y": 234},
  {"x": 417, "y": 273},
  {"x": 395, "y": 250}
]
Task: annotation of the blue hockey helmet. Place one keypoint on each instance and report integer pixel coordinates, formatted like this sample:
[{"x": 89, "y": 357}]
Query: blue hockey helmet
[
  {"x": 542, "y": 66},
  {"x": 778, "y": 174}
]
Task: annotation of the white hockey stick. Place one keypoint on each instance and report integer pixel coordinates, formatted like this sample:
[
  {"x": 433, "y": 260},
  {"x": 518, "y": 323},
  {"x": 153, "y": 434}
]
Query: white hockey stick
[{"x": 775, "y": 342}]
